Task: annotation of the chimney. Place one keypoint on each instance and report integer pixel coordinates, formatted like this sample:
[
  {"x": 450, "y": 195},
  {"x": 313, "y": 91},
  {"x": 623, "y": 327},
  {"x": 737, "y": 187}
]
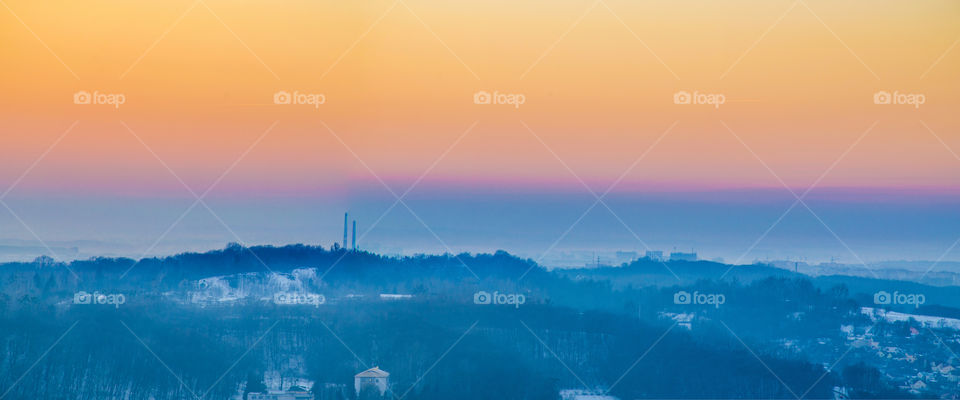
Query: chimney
[
  {"x": 344, "y": 231},
  {"x": 354, "y": 235}
]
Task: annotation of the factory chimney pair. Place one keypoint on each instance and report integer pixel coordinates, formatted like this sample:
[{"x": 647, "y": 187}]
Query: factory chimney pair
[{"x": 354, "y": 247}]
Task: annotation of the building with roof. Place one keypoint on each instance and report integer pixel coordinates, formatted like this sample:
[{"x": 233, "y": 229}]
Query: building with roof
[{"x": 373, "y": 377}]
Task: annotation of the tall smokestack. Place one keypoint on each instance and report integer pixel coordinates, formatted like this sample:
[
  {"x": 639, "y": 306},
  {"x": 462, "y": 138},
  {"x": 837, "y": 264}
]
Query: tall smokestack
[
  {"x": 344, "y": 231},
  {"x": 354, "y": 235}
]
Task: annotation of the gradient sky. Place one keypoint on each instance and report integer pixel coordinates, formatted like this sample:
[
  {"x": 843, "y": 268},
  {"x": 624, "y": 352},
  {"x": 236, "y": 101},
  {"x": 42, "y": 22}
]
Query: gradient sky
[{"x": 399, "y": 79}]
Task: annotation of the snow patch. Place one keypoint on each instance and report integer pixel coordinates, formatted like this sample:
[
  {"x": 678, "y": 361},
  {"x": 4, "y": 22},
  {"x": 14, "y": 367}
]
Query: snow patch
[{"x": 925, "y": 320}]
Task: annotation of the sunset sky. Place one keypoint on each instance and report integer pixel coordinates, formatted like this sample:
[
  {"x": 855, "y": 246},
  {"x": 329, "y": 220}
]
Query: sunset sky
[{"x": 399, "y": 78}]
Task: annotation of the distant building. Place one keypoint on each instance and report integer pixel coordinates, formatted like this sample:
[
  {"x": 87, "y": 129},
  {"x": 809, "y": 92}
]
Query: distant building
[
  {"x": 294, "y": 393},
  {"x": 655, "y": 255},
  {"x": 677, "y": 256},
  {"x": 626, "y": 255},
  {"x": 373, "y": 377}
]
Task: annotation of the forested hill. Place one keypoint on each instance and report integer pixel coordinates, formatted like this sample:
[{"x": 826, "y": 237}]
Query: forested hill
[
  {"x": 646, "y": 272},
  {"x": 336, "y": 262},
  {"x": 340, "y": 268}
]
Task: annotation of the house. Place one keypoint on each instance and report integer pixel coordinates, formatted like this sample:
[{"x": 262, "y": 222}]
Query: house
[{"x": 374, "y": 377}]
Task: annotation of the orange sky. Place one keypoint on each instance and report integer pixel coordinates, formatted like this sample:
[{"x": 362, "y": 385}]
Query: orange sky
[{"x": 399, "y": 78}]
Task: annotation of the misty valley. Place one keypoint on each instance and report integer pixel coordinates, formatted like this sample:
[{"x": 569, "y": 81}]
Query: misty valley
[{"x": 307, "y": 322}]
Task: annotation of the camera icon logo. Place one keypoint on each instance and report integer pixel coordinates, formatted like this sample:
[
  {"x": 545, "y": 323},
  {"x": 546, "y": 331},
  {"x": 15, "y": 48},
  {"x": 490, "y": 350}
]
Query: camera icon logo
[
  {"x": 82, "y": 297},
  {"x": 82, "y": 97},
  {"x": 482, "y": 97},
  {"x": 282, "y": 97},
  {"x": 882, "y": 97},
  {"x": 482, "y": 297},
  {"x": 682, "y": 97},
  {"x": 881, "y": 297},
  {"x": 681, "y": 297}
]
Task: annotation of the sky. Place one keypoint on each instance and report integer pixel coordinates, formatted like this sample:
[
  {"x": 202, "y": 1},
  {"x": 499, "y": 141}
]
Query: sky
[{"x": 600, "y": 83}]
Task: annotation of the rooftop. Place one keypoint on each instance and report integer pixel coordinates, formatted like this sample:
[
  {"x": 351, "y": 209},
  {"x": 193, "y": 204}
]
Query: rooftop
[{"x": 374, "y": 372}]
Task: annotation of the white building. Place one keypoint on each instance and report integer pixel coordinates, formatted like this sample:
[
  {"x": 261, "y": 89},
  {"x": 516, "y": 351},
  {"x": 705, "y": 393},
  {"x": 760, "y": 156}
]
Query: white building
[{"x": 375, "y": 377}]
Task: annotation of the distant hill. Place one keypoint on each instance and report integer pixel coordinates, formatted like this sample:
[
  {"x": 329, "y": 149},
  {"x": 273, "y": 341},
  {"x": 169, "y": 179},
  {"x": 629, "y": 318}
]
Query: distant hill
[{"x": 645, "y": 272}]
